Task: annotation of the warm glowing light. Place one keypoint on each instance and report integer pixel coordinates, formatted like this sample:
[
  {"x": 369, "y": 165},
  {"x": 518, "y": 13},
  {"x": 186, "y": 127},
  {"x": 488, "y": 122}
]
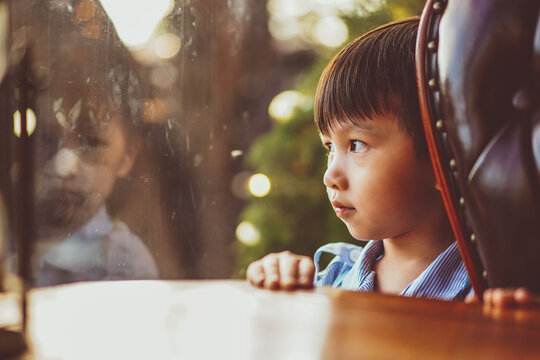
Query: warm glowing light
[
  {"x": 284, "y": 29},
  {"x": 283, "y": 105},
  {"x": 236, "y": 153},
  {"x": 167, "y": 45},
  {"x": 30, "y": 122},
  {"x": 288, "y": 8},
  {"x": 259, "y": 185},
  {"x": 248, "y": 234},
  {"x": 331, "y": 31},
  {"x": 343, "y": 6},
  {"x": 136, "y": 20}
]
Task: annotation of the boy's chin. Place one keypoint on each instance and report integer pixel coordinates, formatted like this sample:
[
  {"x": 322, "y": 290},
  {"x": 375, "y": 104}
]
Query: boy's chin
[
  {"x": 359, "y": 235},
  {"x": 60, "y": 219}
]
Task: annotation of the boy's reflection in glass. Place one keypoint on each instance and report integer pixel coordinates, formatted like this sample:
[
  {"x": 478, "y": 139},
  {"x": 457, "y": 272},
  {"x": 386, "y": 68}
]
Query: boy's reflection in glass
[{"x": 87, "y": 139}]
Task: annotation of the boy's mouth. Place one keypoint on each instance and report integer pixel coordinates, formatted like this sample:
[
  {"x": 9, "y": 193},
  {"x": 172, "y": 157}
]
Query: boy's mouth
[{"x": 341, "y": 210}]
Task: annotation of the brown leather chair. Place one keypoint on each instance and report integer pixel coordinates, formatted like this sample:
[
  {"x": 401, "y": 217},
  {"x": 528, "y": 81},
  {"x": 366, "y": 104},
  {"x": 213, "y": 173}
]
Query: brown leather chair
[{"x": 478, "y": 71}]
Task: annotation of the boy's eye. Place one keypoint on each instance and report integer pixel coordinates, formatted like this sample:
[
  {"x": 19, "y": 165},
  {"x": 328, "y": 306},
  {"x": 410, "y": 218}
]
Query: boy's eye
[
  {"x": 91, "y": 141},
  {"x": 358, "y": 146}
]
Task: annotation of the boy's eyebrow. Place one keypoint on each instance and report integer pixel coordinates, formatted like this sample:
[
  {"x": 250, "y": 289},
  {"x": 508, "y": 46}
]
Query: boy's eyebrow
[{"x": 362, "y": 125}]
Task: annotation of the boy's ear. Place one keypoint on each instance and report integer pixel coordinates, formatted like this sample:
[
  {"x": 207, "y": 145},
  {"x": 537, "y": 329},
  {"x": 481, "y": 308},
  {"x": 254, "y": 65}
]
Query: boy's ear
[{"x": 130, "y": 155}]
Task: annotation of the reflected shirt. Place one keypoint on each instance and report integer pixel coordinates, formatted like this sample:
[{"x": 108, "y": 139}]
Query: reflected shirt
[
  {"x": 102, "y": 249},
  {"x": 352, "y": 269}
]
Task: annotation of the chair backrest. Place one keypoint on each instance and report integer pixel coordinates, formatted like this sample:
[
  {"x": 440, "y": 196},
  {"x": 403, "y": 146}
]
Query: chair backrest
[{"x": 478, "y": 72}]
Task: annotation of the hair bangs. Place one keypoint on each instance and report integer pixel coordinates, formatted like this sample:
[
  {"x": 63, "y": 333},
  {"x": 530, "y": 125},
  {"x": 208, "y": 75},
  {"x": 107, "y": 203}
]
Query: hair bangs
[
  {"x": 345, "y": 96},
  {"x": 365, "y": 79}
]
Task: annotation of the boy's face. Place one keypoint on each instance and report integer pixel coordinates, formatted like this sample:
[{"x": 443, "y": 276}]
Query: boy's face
[
  {"x": 375, "y": 182},
  {"x": 77, "y": 165}
]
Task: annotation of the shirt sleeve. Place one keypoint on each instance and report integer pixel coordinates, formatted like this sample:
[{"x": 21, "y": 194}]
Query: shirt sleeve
[{"x": 345, "y": 255}]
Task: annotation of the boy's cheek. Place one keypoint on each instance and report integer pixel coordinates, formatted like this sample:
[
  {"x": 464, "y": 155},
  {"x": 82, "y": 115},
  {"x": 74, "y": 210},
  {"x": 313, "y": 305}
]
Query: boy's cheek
[{"x": 97, "y": 178}]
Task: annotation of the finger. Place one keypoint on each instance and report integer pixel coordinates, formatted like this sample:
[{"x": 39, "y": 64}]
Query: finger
[
  {"x": 472, "y": 299},
  {"x": 288, "y": 271},
  {"x": 306, "y": 272},
  {"x": 524, "y": 298},
  {"x": 270, "y": 265},
  {"x": 488, "y": 297},
  {"x": 255, "y": 274},
  {"x": 503, "y": 298}
]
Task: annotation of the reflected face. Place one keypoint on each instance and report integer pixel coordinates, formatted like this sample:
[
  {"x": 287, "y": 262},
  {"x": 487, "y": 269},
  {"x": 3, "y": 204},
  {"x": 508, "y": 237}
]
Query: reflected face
[
  {"x": 78, "y": 163},
  {"x": 375, "y": 182}
]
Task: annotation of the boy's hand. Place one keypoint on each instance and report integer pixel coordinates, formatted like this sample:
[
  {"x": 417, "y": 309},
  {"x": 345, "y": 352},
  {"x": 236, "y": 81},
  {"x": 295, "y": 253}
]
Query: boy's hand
[
  {"x": 501, "y": 298},
  {"x": 281, "y": 271},
  {"x": 509, "y": 298}
]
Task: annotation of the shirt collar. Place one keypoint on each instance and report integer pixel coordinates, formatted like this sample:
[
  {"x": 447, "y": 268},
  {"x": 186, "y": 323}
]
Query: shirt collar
[
  {"x": 445, "y": 278},
  {"x": 372, "y": 252},
  {"x": 83, "y": 250}
]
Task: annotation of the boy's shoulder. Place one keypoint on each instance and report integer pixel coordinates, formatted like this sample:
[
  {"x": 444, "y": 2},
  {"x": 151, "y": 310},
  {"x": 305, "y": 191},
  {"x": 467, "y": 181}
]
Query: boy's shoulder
[
  {"x": 103, "y": 249},
  {"x": 127, "y": 255}
]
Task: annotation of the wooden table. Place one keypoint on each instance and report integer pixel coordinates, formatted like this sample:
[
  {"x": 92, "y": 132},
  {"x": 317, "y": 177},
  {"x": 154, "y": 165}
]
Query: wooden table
[{"x": 231, "y": 320}]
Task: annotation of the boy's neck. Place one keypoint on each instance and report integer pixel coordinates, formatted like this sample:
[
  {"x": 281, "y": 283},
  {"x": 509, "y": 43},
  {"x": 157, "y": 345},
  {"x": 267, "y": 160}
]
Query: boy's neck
[{"x": 407, "y": 256}]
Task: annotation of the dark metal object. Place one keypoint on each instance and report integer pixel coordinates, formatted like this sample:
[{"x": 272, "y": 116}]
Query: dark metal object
[{"x": 479, "y": 94}]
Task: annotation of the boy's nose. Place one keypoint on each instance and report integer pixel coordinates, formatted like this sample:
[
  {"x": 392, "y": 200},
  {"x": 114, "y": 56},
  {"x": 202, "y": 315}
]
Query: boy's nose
[
  {"x": 65, "y": 163},
  {"x": 334, "y": 177}
]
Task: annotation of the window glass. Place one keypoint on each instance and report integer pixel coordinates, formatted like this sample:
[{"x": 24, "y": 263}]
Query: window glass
[{"x": 173, "y": 139}]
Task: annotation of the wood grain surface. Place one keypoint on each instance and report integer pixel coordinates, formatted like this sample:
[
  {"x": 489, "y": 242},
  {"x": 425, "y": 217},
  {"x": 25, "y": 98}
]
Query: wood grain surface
[{"x": 231, "y": 320}]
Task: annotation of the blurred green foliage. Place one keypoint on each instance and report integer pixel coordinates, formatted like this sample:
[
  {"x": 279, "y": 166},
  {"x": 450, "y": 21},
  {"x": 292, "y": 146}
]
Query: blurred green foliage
[{"x": 296, "y": 214}]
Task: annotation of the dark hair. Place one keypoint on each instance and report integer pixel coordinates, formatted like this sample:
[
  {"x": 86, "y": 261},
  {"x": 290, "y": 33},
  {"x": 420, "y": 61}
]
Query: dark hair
[
  {"x": 81, "y": 54},
  {"x": 373, "y": 74}
]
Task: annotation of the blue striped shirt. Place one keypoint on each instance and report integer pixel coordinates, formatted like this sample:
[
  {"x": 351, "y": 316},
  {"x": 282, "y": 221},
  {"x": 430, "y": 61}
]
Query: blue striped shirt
[{"x": 352, "y": 269}]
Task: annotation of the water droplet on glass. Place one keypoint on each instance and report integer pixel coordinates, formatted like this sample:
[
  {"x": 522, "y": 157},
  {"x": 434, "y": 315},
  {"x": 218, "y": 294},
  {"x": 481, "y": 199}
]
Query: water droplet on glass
[{"x": 197, "y": 160}]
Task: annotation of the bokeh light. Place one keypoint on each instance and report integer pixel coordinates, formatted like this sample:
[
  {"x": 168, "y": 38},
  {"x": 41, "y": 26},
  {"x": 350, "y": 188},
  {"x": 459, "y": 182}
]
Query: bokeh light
[
  {"x": 342, "y": 6},
  {"x": 247, "y": 234},
  {"x": 30, "y": 122},
  {"x": 259, "y": 185},
  {"x": 164, "y": 75},
  {"x": 167, "y": 45},
  {"x": 136, "y": 20},
  {"x": 331, "y": 31},
  {"x": 284, "y": 29},
  {"x": 288, "y": 8},
  {"x": 236, "y": 153},
  {"x": 284, "y": 105}
]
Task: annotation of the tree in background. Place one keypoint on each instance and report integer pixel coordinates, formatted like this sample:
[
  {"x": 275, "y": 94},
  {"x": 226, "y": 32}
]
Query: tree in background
[{"x": 295, "y": 214}]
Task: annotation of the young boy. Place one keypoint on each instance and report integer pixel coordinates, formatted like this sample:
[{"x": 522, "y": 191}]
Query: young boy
[
  {"x": 87, "y": 138},
  {"x": 379, "y": 180}
]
